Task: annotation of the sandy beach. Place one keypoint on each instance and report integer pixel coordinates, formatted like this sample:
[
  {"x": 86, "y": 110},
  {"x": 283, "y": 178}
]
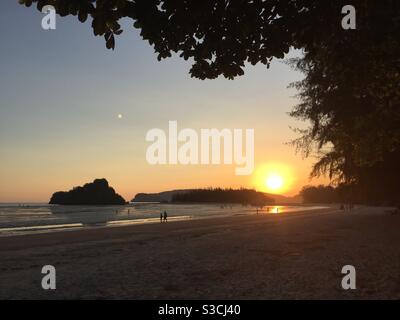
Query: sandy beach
[{"x": 283, "y": 256}]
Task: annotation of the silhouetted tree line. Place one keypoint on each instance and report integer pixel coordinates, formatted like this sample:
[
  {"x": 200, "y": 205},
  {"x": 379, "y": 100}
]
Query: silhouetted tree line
[
  {"x": 219, "y": 195},
  {"x": 96, "y": 193},
  {"x": 365, "y": 192},
  {"x": 319, "y": 194},
  {"x": 378, "y": 184}
]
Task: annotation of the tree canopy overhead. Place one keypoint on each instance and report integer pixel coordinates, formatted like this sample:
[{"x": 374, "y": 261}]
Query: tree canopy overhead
[{"x": 218, "y": 35}]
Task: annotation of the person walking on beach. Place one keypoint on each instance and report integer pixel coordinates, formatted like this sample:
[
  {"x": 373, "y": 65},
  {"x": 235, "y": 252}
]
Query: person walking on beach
[
  {"x": 161, "y": 217},
  {"x": 165, "y": 216}
]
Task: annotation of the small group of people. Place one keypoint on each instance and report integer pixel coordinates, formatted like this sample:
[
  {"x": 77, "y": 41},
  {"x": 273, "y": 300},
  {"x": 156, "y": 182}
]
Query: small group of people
[
  {"x": 163, "y": 217},
  {"x": 276, "y": 210}
]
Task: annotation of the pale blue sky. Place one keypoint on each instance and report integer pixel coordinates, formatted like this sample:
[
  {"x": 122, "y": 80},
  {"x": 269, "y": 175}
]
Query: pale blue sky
[{"x": 61, "y": 92}]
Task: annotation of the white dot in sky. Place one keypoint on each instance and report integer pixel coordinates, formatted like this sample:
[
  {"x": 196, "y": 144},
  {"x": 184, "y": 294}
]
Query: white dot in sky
[{"x": 119, "y": 116}]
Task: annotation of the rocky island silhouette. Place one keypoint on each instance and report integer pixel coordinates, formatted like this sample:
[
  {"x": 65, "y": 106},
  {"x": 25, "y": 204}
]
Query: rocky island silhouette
[{"x": 96, "y": 193}]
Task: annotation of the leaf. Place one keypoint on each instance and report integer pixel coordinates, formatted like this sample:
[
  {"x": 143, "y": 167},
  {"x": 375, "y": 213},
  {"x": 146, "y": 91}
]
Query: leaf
[
  {"x": 82, "y": 16},
  {"x": 110, "y": 44}
]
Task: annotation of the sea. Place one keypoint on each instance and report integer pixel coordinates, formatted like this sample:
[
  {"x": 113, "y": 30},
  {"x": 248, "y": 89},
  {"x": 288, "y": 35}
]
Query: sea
[{"x": 39, "y": 217}]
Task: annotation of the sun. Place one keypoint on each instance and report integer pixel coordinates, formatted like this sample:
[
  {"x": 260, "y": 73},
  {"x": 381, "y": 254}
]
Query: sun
[
  {"x": 274, "y": 182},
  {"x": 274, "y": 178}
]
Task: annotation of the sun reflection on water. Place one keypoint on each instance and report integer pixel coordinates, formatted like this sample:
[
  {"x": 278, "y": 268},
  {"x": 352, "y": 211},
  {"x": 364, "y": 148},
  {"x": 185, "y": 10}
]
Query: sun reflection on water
[{"x": 276, "y": 209}]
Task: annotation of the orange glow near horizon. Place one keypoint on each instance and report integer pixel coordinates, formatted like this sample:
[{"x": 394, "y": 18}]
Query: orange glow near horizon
[{"x": 275, "y": 178}]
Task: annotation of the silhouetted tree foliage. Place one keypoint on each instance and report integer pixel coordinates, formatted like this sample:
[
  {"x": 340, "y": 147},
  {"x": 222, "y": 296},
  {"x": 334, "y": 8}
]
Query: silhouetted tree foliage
[
  {"x": 96, "y": 193},
  {"x": 351, "y": 97},
  {"x": 319, "y": 194},
  {"x": 218, "y": 195},
  {"x": 371, "y": 189},
  {"x": 378, "y": 184},
  {"x": 219, "y": 36}
]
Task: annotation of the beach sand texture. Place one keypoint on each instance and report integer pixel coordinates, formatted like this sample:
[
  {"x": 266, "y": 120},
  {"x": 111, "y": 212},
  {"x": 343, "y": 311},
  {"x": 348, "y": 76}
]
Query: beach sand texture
[{"x": 288, "y": 256}]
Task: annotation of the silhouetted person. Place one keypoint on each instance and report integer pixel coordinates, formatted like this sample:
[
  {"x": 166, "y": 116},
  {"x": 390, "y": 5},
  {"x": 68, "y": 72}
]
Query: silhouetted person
[
  {"x": 161, "y": 217},
  {"x": 165, "y": 216}
]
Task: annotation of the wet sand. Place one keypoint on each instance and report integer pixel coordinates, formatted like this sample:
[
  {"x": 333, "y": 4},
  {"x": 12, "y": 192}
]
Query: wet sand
[{"x": 284, "y": 256}]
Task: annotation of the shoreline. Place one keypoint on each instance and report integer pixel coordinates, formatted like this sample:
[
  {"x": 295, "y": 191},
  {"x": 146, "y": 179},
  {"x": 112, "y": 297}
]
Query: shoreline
[
  {"x": 95, "y": 233},
  {"x": 61, "y": 227}
]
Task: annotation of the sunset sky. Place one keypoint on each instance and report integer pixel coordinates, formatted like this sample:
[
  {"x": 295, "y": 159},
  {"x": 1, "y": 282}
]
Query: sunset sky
[{"x": 72, "y": 111}]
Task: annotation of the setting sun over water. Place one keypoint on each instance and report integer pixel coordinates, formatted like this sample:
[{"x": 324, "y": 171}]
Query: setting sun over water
[{"x": 273, "y": 178}]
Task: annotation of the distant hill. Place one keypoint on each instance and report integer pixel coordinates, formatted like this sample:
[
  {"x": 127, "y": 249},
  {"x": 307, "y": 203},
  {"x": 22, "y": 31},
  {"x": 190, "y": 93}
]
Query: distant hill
[
  {"x": 167, "y": 196},
  {"x": 279, "y": 199},
  {"x": 96, "y": 193},
  {"x": 219, "y": 195}
]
